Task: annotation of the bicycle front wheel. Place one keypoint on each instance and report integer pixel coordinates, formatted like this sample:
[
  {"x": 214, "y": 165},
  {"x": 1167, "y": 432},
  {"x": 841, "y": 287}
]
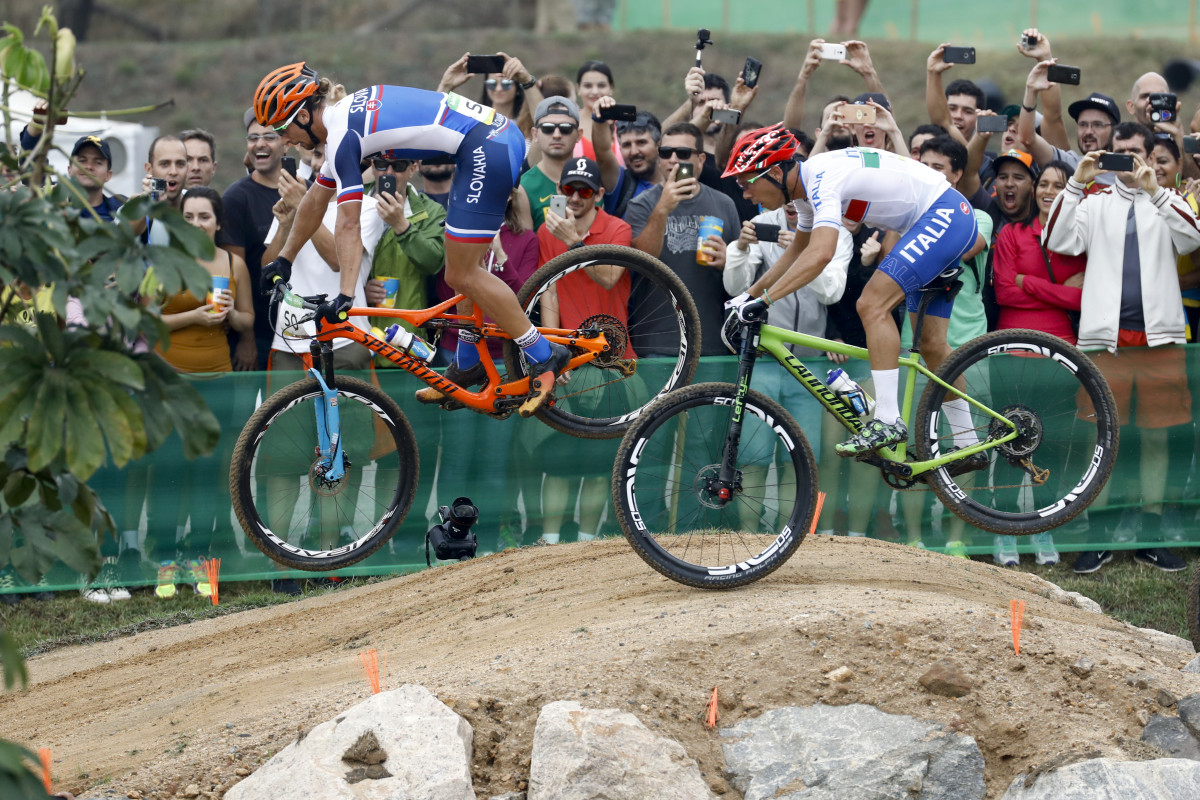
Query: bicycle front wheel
[
  {"x": 289, "y": 508},
  {"x": 648, "y": 318},
  {"x": 669, "y": 509},
  {"x": 1067, "y": 426}
]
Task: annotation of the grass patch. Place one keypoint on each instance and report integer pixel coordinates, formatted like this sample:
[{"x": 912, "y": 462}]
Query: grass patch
[
  {"x": 68, "y": 619},
  {"x": 1140, "y": 595}
]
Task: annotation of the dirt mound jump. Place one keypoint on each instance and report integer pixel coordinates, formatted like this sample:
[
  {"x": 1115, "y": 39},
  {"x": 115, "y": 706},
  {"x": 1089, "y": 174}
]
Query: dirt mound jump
[{"x": 498, "y": 637}]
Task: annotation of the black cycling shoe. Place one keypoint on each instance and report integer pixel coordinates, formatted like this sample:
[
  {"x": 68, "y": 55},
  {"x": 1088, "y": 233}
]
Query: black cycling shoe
[
  {"x": 542, "y": 377},
  {"x": 466, "y": 378},
  {"x": 972, "y": 463}
]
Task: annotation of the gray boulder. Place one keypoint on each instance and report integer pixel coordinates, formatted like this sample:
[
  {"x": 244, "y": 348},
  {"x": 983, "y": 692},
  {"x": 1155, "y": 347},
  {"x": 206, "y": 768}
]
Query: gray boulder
[
  {"x": 1189, "y": 713},
  {"x": 605, "y": 754},
  {"x": 1172, "y": 736},
  {"x": 399, "y": 744},
  {"x": 1193, "y": 666},
  {"x": 833, "y": 752},
  {"x": 1105, "y": 779}
]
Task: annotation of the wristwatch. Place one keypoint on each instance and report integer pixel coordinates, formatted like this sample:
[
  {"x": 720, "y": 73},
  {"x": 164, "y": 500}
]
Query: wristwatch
[
  {"x": 577, "y": 245},
  {"x": 527, "y": 86}
]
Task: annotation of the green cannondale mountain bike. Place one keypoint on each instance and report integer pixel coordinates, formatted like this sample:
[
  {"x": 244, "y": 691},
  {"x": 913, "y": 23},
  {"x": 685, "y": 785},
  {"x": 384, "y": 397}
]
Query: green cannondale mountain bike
[{"x": 715, "y": 485}]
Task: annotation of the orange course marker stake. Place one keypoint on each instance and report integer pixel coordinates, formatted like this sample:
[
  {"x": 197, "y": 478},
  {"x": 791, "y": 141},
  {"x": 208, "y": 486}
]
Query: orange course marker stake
[
  {"x": 212, "y": 567},
  {"x": 712, "y": 714},
  {"x": 370, "y": 665},
  {"x": 1016, "y": 612},
  {"x": 44, "y": 756},
  {"x": 817, "y": 516}
]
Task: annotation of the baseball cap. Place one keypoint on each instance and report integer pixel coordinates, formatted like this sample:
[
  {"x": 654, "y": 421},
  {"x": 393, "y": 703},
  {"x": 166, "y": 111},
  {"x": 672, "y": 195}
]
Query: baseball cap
[
  {"x": 1100, "y": 102},
  {"x": 878, "y": 97},
  {"x": 581, "y": 170},
  {"x": 556, "y": 104},
  {"x": 1013, "y": 111},
  {"x": 1025, "y": 159},
  {"x": 93, "y": 141}
]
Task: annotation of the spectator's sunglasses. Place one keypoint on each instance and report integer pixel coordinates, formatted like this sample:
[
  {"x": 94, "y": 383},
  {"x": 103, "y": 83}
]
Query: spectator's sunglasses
[
  {"x": 269, "y": 138},
  {"x": 490, "y": 84},
  {"x": 682, "y": 153},
  {"x": 744, "y": 182},
  {"x": 565, "y": 128},
  {"x": 584, "y": 192},
  {"x": 399, "y": 165}
]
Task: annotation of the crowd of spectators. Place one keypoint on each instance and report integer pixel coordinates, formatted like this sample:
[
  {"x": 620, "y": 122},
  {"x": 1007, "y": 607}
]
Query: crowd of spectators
[{"x": 1096, "y": 257}]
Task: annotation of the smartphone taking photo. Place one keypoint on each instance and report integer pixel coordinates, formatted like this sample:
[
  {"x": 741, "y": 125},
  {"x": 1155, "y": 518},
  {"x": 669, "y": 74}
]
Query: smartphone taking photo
[
  {"x": 386, "y": 184},
  {"x": 483, "y": 64},
  {"x": 833, "y": 52},
  {"x": 619, "y": 112},
  {"x": 766, "y": 233},
  {"x": 750, "y": 72},
  {"x": 289, "y": 165},
  {"x": 993, "y": 124},
  {"x": 1115, "y": 162},
  {"x": 726, "y": 116},
  {"x": 558, "y": 204},
  {"x": 959, "y": 55},
  {"x": 1162, "y": 106},
  {"x": 1061, "y": 73},
  {"x": 857, "y": 114}
]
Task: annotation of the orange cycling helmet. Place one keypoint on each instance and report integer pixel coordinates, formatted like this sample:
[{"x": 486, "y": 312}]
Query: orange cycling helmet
[
  {"x": 283, "y": 93},
  {"x": 758, "y": 150}
]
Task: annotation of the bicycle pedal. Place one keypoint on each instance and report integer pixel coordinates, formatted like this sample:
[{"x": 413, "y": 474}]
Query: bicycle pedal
[{"x": 452, "y": 405}]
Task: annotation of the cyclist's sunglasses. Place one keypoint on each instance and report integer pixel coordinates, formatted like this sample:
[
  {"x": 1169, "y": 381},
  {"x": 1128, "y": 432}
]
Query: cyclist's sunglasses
[
  {"x": 682, "y": 153},
  {"x": 584, "y": 192},
  {"x": 490, "y": 84},
  {"x": 399, "y": 165},
  {"x": 565, "y": 128}
]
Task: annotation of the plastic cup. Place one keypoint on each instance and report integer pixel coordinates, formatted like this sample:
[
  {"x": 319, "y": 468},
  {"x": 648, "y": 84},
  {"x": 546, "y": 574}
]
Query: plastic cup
[
  {"x": 391, "y": 288},
  {"x": 220, "y": 287},
  {"x": 709, "y": 226}
]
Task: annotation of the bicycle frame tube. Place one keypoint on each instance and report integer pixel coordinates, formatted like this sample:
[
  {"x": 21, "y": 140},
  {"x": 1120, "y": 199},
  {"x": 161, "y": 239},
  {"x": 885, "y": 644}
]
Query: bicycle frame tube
[{"x": 774, "y": 341}]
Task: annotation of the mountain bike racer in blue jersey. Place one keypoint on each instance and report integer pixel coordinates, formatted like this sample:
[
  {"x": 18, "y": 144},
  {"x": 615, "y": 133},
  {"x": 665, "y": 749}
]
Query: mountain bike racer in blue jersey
[
  {"x": 936, "y": 229},
  {"x": 400, "y": 122}
]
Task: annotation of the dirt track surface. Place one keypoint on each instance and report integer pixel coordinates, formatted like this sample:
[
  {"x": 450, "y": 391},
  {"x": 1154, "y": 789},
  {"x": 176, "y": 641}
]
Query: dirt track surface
[{"x": 499, "y": 637}]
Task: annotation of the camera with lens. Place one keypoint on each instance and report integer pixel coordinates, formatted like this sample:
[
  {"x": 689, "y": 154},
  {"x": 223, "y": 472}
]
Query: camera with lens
[
  {"x": 452, "y": 539},
  {"x": 1162, "y": 106}
]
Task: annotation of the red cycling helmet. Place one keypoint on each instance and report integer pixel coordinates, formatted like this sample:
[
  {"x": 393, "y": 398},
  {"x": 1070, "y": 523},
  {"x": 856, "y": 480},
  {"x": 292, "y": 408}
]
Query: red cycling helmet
[
  {"x": 757, "y": 150},
  {"x": 282, "y": 94}
]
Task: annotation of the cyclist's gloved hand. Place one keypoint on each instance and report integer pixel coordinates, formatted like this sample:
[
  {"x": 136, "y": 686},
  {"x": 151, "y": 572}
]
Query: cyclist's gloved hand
[
  {"x": 747, "y": 308},
  {"x": 278, "y": 270},
  {"x": 334, "y": 311}
]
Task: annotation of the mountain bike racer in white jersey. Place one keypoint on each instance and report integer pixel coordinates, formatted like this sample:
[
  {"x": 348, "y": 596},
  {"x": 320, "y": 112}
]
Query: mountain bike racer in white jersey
[
  {"x": 399, "y": 122},
  {"x": 936, "y": 228}
]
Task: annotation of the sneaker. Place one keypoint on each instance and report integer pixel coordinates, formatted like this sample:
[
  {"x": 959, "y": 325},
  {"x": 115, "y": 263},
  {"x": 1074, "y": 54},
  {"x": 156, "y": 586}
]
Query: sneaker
[
  {"x": 107, "y": 580},
  {"x": 8, "y": 587},
  {"x": 1160, "y": 558},
  {"x": 1091, "y": 561},
  {"x": 1172, "y": 525},
  {"x": 1004, "y": 551},
  {"x": 972, "y": 463},
  {"x": 1045, "y": 553},
  {"x": 957, "y": 549},
  {"x": 875, "y": 435},
  {"x": 168, "y": 572},
  {"x": 287, "y": 586},
  {"x": 118, "y": 593},
  {"x": 466, "y": 378},
  {"x": 542, "y": 377},
  {"x": 197, "y": 576},
  {"x": 94, "y": 594}
]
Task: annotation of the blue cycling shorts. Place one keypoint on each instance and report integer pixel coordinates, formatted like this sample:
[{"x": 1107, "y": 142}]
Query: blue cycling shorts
[
  {"x": 487, "y": 168},
  {"x": 938, "y": 240}
]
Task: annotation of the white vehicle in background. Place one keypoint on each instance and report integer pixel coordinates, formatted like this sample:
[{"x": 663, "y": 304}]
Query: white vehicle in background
[{"x": 130, "y": 141}]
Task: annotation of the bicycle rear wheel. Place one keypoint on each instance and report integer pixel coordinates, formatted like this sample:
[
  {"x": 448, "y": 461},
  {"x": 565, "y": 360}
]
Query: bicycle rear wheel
[
  {"x": 669, "y": 511},
  {"x": 1068, "y": 431},
  {"x": 289, "y": 510},
  {"x": 648, "y": 317}
]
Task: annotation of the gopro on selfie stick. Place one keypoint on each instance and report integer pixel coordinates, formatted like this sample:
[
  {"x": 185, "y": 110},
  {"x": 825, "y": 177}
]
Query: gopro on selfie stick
[{"x": 702, "y": 41}]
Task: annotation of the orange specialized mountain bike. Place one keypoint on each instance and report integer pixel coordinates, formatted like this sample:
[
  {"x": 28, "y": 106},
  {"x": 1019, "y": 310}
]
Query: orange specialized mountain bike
[{"x": 325, "y": 470}]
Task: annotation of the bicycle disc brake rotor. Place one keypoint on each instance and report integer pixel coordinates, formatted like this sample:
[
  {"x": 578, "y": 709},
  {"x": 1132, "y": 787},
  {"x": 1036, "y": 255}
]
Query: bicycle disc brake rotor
[
  {"x": 1029, "y": 431},
  {"x": 706, "y": 485},
  {"x": 616, "y": 334},
  {"x": 324, "y": 486}
]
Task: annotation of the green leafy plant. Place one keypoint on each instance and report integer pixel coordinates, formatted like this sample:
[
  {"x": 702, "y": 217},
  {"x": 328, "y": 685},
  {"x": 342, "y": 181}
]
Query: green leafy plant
[{"x": 73, "y": 397}]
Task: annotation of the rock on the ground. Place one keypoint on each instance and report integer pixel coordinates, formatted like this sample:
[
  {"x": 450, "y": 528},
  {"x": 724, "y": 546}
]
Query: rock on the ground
[
  {"x": 832, "y": 752},
  {"x": 585, "y": 754},
  {"x": 1056, "y": 593},
  {"x": 1083, "y": 667},
  {"x": 417, "y": 749},
  {"x": 1167, "y": 640},
  {"x": 1172, "y": 736},
  {"x": 946, "y": 679},
  {"x": 1189, "y": 713},
  {"x": 1193, "y": 666},
  {"x": 1161, "y": 779}
]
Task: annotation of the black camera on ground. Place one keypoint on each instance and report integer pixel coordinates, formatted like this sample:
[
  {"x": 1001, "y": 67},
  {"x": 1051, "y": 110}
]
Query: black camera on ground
[{"x": 452, "y": 539}]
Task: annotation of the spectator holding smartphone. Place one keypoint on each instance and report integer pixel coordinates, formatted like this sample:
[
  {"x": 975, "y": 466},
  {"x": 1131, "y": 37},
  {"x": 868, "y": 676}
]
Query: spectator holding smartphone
[
  {"x": 513, "y": 91},
  {"x": 1133, "y": 235}
]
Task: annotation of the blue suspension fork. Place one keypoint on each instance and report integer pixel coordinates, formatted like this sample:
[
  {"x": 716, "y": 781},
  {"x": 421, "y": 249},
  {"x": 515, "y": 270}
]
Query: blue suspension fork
[{"x": 329, "y": 425}]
